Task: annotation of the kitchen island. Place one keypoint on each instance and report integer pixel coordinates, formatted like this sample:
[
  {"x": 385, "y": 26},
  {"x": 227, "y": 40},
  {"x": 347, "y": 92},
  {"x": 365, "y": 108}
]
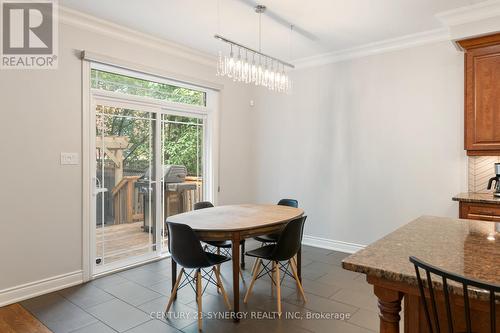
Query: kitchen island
[{"x": 466, "y": 247}]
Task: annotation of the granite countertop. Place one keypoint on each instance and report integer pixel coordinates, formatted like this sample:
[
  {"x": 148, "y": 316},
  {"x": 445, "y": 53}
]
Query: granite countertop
[
  {"x": 465, "y": 247},
  {"x": 477, "y": 197}
]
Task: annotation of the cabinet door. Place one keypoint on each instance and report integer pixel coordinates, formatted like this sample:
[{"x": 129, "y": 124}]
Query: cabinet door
[{"x": 482, "y": 98}]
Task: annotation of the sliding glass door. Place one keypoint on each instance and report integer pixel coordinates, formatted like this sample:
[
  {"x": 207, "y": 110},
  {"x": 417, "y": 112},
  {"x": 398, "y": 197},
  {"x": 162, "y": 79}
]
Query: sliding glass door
[
  {"x": 181, "y": 146},
  {"x": 125, "y": 178},
  {"x": 150, "y": 163}
]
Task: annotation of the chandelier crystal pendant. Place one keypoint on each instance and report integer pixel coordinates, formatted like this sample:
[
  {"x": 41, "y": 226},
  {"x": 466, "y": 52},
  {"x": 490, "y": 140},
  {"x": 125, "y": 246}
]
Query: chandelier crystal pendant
[{"x": 244, "y": 64}]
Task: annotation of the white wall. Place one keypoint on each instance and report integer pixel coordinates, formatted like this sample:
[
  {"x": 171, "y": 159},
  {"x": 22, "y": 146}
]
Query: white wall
[
  {"x": 365, "y": 145},
  {"x": 41, "y": 116}
]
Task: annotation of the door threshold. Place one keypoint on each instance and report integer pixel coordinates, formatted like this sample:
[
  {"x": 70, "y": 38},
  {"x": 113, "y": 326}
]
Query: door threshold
[{"x": 120, "y": 267}]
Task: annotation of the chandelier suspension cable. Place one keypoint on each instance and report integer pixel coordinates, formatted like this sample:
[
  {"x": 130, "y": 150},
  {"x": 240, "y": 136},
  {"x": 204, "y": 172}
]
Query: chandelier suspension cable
[
  {"x": 218, "y": 16},
  {"x": 260, "y": 31}
]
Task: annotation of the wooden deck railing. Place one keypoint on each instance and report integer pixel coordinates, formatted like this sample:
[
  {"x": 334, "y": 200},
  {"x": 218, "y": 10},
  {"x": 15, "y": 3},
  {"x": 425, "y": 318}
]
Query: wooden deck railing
[
  {"x": 194, "y": 196},
  {"x": 126, "y": 201},
  {"x": 129, "y": 204}
]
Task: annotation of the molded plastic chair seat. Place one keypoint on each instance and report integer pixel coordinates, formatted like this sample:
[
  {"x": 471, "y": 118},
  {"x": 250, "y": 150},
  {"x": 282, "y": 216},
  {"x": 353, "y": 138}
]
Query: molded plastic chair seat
[
  {"x": 215, "y": 259},
  {"x": 269, "y": 238},
  {"x": 263, "y": 252}
]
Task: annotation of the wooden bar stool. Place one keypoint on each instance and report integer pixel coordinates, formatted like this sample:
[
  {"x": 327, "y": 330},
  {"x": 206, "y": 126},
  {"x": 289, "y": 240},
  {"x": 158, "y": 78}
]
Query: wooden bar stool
[{"x": 427, "y": 290}]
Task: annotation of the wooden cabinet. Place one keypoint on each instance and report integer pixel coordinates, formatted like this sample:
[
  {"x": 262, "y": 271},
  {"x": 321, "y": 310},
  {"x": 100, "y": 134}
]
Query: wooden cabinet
[
  {"x": 482, "y": 95},
  {"x": 479, "y": 211}
]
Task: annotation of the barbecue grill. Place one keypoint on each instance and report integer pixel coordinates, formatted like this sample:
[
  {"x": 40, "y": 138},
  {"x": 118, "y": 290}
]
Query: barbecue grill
[
  {"x": 174, "y": 184},
  {"x": 171, "y": 174}
]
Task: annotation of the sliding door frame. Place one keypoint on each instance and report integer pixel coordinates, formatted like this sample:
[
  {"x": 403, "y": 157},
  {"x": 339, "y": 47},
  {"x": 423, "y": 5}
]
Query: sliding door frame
[{"x": 90, "y": 98}]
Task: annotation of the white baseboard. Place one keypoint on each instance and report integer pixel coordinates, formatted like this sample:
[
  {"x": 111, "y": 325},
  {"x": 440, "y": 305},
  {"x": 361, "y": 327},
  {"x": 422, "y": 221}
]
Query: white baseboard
[
  {"x": 331, "y": 244},
  {"x": 40, "y": 287}
]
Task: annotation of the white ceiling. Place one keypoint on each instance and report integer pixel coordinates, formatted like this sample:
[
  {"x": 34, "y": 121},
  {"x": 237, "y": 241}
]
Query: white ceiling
[{"x": 337, "y": 24}]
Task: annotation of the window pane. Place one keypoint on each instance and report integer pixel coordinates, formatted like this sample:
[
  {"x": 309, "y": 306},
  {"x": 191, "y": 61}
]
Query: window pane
[
  {"x": 183, "y": 142},
  {"x": 121, "y": 112},
  {"x": 130, "y": 85}
]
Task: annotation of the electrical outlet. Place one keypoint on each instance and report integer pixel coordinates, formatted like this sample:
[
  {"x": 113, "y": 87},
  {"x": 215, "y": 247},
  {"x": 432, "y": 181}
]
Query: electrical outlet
[{"x": 70, "y": 159}]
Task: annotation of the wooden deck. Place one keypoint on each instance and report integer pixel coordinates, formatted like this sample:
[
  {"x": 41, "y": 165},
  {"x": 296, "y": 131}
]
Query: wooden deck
[{"x": 122, "y": 241}]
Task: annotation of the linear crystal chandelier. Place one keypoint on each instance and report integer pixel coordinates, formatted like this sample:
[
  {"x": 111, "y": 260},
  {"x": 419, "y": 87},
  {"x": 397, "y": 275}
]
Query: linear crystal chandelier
[{"x": 244, "y": 64}]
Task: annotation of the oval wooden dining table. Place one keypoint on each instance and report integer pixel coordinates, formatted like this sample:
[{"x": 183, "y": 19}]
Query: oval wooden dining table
[{"x": 236, "y": 222}]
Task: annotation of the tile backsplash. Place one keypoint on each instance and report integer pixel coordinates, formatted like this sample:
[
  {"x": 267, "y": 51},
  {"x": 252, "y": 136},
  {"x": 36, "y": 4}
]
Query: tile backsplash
[{"x": 480, "y": 171}]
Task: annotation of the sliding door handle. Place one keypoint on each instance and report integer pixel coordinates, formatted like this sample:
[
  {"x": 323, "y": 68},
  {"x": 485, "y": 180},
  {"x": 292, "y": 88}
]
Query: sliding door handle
[{"x": 99, "y": 190}]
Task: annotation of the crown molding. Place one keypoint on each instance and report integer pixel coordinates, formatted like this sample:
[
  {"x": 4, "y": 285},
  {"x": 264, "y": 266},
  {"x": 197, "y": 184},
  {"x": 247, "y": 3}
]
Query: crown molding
[
  {"x": 91, "y": 23},
  {"x": 468, "y": 14},
  {"x": 450, "y": 19},
  {"x": 388, "y": 45}
]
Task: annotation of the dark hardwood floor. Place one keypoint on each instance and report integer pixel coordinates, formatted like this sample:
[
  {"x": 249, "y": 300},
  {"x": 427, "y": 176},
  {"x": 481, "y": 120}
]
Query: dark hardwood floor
[{"x": 15, "y": 319}]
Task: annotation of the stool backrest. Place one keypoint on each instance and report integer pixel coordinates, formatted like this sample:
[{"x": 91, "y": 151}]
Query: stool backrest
[
  {"x": 290, "y": 240},
  {"x": 430, "y": 307},
  {"x": 185, "y": 246}
]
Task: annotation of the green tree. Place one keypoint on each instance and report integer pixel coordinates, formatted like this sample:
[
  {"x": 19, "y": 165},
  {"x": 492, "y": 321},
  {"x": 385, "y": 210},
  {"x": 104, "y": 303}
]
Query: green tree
[{"x": 181, "y": 136}]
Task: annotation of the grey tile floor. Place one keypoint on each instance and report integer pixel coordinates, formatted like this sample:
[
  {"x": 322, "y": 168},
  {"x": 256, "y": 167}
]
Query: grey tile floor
[{"x": 132, "y": 301}]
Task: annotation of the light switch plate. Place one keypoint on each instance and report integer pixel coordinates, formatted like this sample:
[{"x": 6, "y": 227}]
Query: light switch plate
[{"x": 70, "y": 159}]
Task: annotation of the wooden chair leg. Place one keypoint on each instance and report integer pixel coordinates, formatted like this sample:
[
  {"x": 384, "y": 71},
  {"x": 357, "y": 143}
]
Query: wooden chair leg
[
  {"x": 241, "y": 275},
  {"x": 291, "y": 262},
  {"x": 272, "y": 279},
  {"x": 198, "y": 297},
  {"x": 254, "y": 278},
  {"x": 223, "y": 291},
  {"x": 218, "y": 268},
  {"x": 278, "y": 288},
  {"x": 299, "y": 285},
  {"x": 174, "y": 291},
  {"x": 254, "y": 266}
]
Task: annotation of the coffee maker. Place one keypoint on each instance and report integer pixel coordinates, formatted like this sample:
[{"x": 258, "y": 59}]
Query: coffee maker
[{"x": 497, "y": 181}]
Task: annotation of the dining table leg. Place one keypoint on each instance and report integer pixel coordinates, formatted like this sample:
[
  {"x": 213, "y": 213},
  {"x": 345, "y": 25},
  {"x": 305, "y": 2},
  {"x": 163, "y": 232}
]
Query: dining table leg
[
  {"x": 174, "y": 275},
  {"x": 242, "y": 256},
  {"x": 236, "y": 273},
  {"x": 389, "y": 305}
]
